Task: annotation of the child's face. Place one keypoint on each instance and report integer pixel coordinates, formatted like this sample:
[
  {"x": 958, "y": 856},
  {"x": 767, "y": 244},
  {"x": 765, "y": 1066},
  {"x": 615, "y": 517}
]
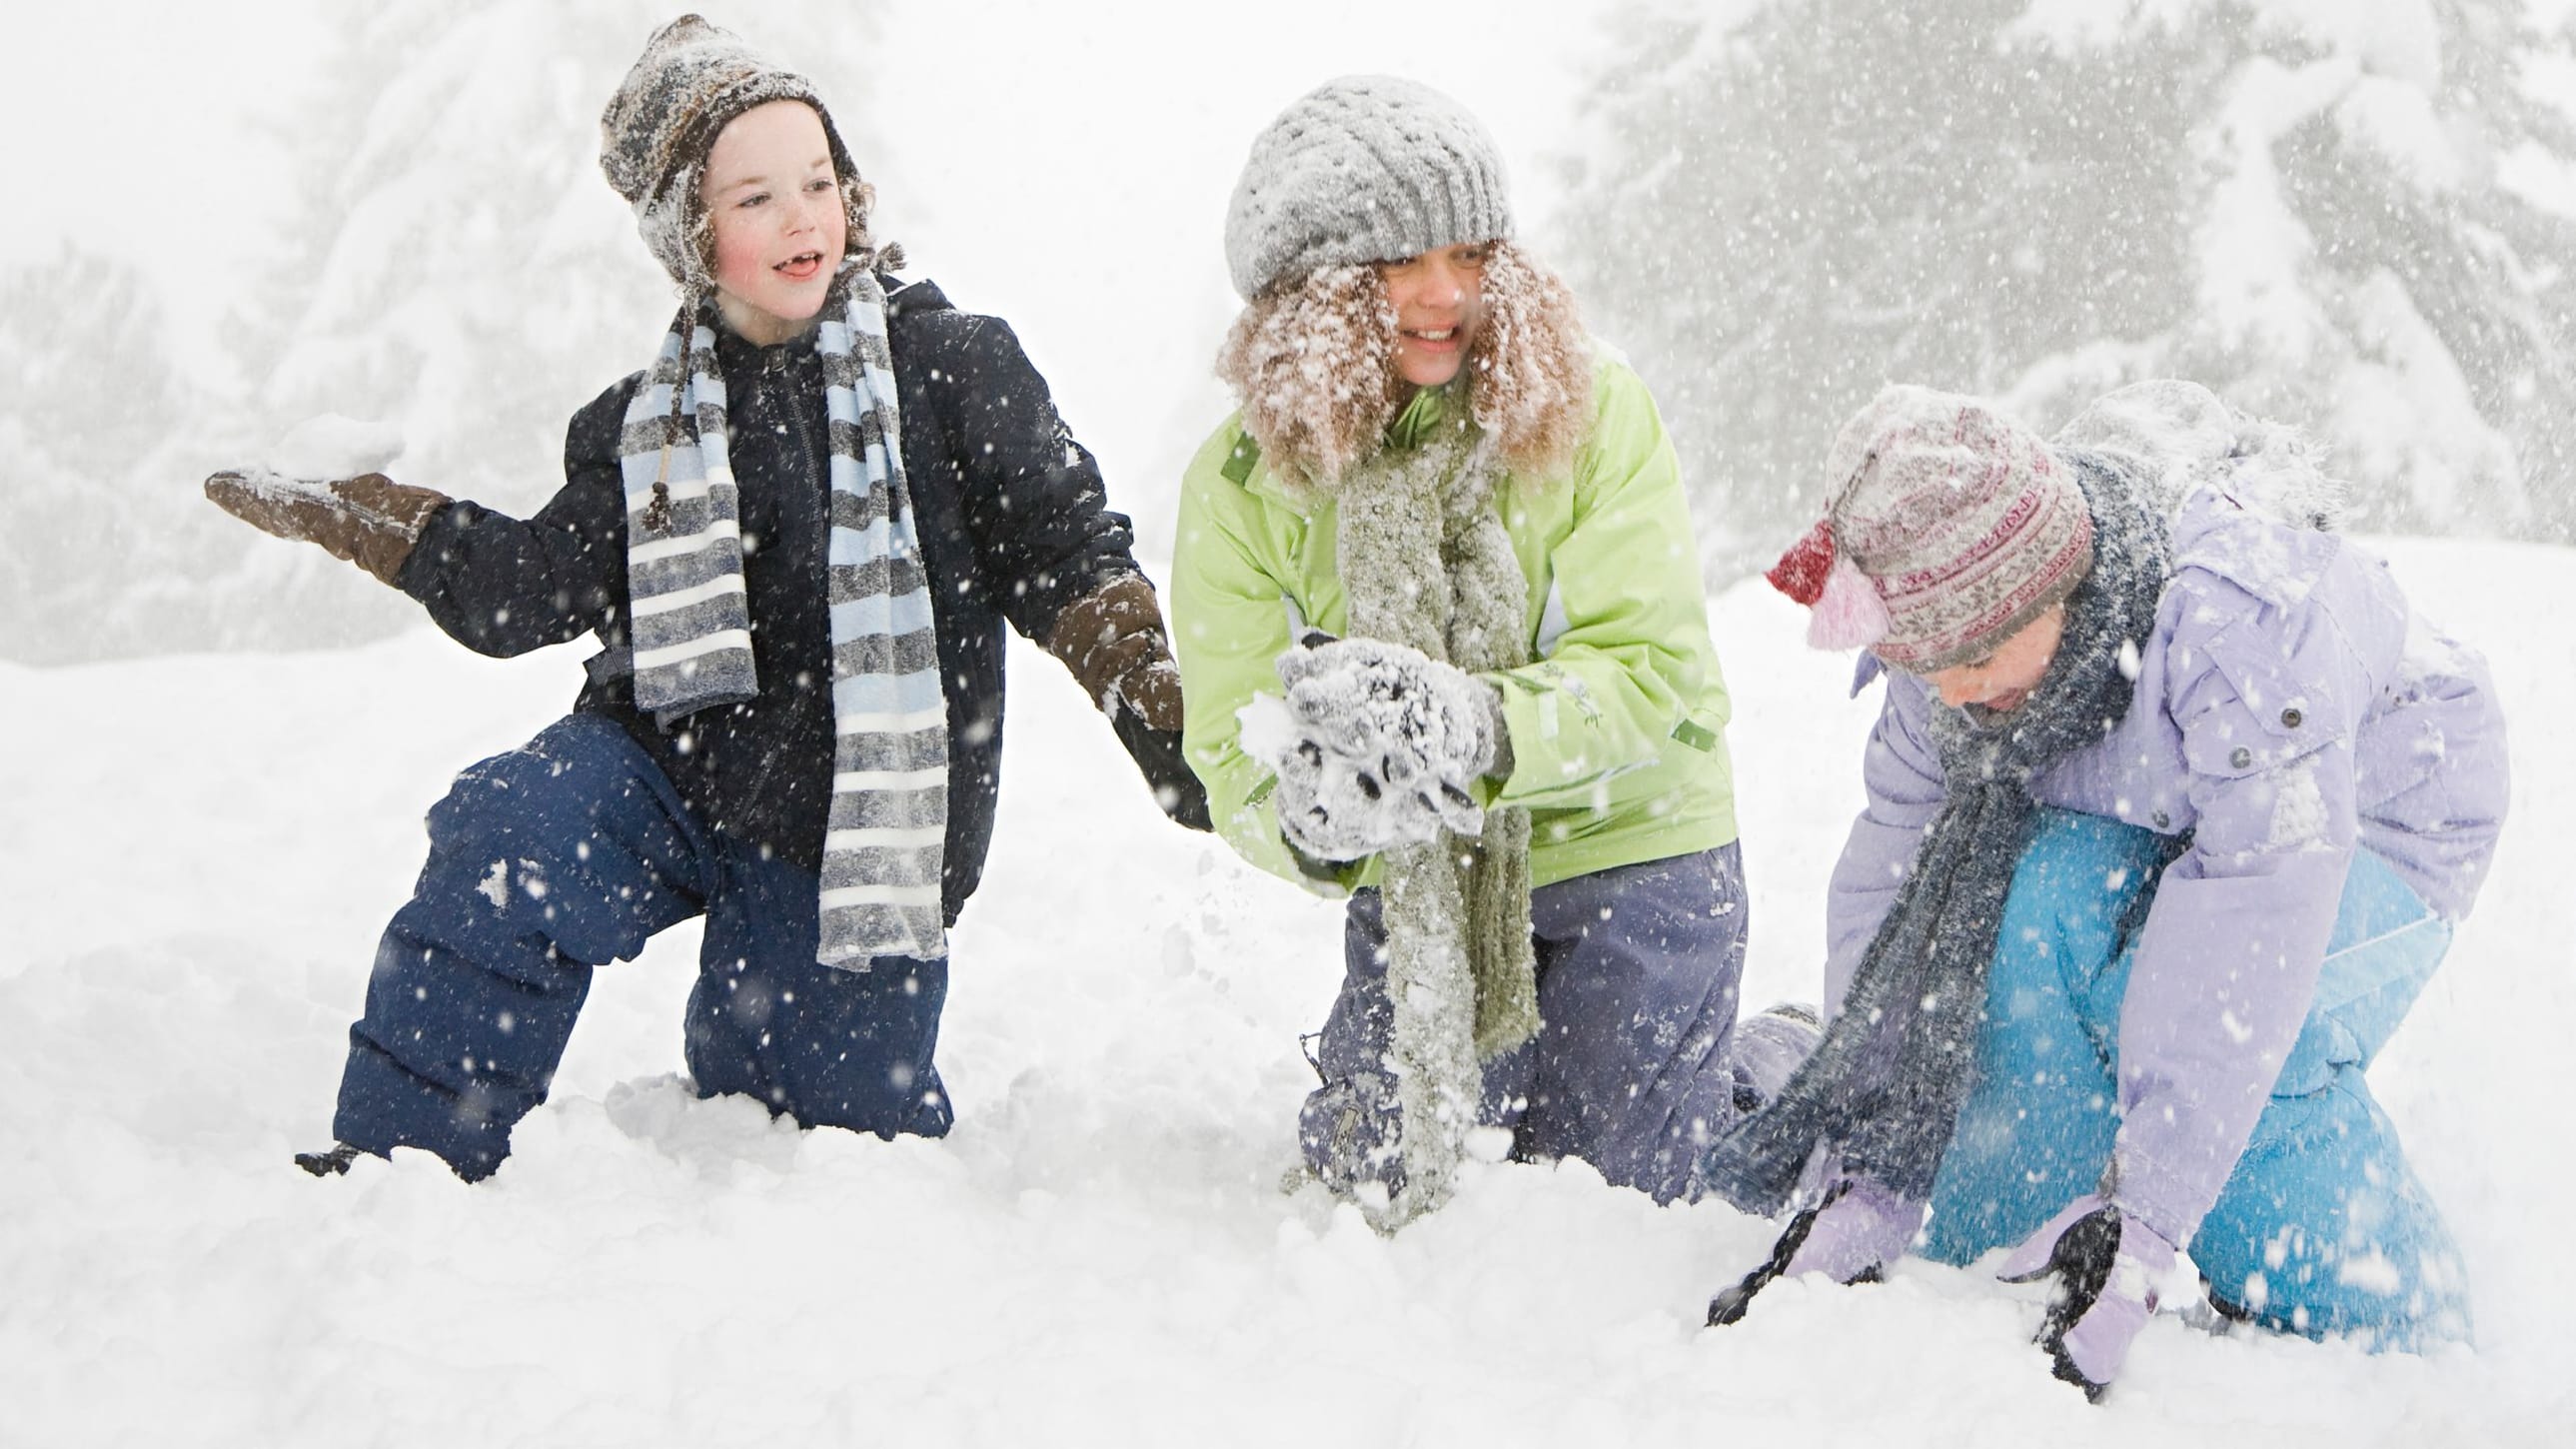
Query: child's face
[
  {"x": 774, "y": 202},
  {"x": 1439, "y": 301},
  {"x": 2003, "y": 679}
]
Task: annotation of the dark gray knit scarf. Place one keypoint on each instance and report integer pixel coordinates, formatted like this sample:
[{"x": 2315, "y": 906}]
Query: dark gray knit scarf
[{"x": 1880, "y": 1097}]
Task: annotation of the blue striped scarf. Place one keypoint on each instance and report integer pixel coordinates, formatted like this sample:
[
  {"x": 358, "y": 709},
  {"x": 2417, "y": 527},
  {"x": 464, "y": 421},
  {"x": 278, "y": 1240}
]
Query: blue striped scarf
[{"x": 690, "y": 618}]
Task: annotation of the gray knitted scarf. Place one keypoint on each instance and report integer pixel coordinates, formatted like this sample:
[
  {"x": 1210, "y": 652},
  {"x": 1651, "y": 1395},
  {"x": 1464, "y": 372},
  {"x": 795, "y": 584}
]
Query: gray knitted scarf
[
  {"x": 1426, "y": 562},
  {"x": 690, "y": 617},
  {"x": 1880, "y": 1097}
]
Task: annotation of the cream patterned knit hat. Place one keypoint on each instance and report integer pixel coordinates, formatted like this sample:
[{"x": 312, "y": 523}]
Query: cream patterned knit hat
[{"x": 1952, "y": 527}]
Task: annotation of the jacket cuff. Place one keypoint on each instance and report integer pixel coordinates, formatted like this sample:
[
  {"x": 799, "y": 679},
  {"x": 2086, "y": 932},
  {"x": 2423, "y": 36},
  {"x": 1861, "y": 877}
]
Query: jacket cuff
[
  {"x": 2169, "y": 1202},
  {"x": 419, "y": 574}
]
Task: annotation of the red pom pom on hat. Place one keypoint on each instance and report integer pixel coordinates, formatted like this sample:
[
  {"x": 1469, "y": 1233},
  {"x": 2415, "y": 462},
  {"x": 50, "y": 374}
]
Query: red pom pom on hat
[
  {"x": 1801, "y": 571},
  {"x": 1849, "y": 614}
]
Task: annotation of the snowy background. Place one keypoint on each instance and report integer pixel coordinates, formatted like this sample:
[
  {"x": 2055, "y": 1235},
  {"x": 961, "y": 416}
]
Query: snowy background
[{"x": 247, "y": 216}]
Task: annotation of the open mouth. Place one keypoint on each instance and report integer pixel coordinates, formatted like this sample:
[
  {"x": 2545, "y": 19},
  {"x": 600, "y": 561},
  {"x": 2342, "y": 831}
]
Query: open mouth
[
  {"x": 1432, "y": 337},
  {"x": 800, "y": 267}
]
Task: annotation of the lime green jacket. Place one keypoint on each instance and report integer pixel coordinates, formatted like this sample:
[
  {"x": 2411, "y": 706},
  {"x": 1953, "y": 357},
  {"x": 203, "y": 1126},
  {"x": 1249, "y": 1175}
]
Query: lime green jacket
[{"x": 1617, "y": 726}]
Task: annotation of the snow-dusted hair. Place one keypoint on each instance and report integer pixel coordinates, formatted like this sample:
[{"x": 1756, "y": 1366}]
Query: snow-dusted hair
[{"x": 1312, "y": 363}]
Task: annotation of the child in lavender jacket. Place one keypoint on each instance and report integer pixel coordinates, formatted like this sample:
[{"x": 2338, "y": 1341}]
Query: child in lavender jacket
[{"x": 2231, "y": 870}]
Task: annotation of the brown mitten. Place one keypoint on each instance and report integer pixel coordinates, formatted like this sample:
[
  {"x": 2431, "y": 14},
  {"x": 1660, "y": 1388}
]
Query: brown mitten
[
  {"x": 370, "y": 520},
  {"x": 1113, "y": 641}
]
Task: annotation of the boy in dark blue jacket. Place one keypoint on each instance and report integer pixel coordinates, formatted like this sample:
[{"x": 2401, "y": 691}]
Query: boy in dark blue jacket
[{"x": 798, "y": 536}]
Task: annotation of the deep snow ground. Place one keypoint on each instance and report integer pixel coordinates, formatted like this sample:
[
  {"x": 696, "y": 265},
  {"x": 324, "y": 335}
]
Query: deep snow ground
[{"x": 200, "y": 850}]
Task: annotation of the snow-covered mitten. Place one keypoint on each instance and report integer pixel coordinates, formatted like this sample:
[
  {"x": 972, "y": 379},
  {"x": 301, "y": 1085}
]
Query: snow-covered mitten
[
  {"x": 1849, "y": 1236},
  {"x": 370, "y": 520},
  {"x": 2108, "y": 1265},
  {"x": 1410, "y": 724},
  {"x": 1113, "y": 640},
  {"x": 1334, "y": 811}
]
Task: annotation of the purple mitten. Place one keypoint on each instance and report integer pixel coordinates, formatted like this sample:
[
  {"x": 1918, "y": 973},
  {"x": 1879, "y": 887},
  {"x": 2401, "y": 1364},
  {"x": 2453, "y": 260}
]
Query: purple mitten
[
  {"x": 2108, "y": 1265},
  {"x": 1857, "y": 1232},
  {"x": 1854, "y": 1231}
]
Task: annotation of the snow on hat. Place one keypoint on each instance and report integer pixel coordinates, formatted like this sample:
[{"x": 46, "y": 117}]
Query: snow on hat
[
  {"x": 1362, "y": 169},
  {"x": 1953, "y": 527},
  {"x": 692, "y": 80}
]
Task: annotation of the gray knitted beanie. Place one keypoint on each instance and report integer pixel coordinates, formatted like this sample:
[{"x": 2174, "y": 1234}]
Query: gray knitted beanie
[
  {"x": 1362, "y": 169},
  {"x": 692, "y": 80}
]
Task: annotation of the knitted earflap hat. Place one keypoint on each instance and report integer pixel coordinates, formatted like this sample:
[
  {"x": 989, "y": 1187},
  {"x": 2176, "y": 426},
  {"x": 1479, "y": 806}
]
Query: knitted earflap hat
[
  {"x": 1362, "y": 169},
  {"x": 691, "y": 81},
  {"x": 1951, "y": 527}
]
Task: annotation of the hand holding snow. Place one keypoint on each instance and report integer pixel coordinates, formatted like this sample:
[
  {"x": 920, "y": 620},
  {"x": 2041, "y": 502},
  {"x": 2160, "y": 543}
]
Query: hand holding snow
[
  {"x": 1376, "y": 744},
  {"x": 1328, "y": 807}
]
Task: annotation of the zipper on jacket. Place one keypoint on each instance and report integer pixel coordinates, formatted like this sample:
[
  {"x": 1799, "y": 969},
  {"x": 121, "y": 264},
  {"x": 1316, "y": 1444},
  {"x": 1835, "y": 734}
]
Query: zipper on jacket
[{"x": 780, "y": 402}]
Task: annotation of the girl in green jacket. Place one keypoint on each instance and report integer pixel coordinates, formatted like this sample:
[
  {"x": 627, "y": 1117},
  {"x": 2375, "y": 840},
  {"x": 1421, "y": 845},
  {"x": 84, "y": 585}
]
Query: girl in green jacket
[{"x": 1443, "y": 646}]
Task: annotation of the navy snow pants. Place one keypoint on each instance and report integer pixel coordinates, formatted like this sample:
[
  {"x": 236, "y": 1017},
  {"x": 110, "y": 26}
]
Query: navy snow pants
[
  {"x": 1639, "y": 1063},
  {"x": 567, "y": 854}
]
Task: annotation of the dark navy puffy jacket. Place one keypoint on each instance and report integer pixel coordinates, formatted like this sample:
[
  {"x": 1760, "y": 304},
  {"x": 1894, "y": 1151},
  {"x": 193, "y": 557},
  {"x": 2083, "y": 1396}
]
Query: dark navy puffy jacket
[{"x": 1013, "y": 526}]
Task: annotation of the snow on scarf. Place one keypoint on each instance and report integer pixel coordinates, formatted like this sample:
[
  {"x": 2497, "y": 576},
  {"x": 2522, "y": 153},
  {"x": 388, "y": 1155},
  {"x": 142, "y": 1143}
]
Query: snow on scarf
[
  {"x": 690, "y": 618},
  {"x": 1461, "y": 979},
  {"x": 1880, "y": 1097}
]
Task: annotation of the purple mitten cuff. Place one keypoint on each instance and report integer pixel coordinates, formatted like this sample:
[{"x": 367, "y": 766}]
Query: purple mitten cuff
[{"x": 1863, "y": 1227}]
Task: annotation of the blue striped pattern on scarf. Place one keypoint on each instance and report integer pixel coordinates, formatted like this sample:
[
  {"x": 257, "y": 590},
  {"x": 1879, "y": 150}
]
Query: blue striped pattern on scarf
[
  {"x": 689, "y": 619},
  {"x": 885, "y": 845}
]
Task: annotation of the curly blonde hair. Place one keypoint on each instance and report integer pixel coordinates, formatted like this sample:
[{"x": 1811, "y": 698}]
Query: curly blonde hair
[{"x": 1312, "y": 363}]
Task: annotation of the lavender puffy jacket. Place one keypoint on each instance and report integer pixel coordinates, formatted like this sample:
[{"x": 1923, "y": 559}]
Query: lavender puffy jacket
[{"x": 2290, "y": 708}]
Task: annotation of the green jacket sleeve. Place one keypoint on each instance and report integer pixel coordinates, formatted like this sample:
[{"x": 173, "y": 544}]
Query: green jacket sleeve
[
  {"x": 1629, "y": 674},
  {"x": 1230, "y": 622}
]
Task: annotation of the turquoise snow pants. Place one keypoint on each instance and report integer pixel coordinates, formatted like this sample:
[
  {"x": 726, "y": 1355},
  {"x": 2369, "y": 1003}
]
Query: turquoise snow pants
[{"x": 2322, "y": 1227}]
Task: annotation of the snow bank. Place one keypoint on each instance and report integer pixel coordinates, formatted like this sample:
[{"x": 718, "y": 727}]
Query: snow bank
[{"x": 1100, "y": 1253}]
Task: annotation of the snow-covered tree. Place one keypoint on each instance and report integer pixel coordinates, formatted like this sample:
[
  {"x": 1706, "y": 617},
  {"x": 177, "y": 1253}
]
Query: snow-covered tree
[
  {"x": 2355, "y": 217},
  {"x": 111, "y": 550},
  {"x": 84, "y": 390}
]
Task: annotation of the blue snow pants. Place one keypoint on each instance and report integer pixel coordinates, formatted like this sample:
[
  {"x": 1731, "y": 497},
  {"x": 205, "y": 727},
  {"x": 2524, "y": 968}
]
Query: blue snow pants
[
  {"x": 1639, "y": 1064},
  {"x": 569, "y": 853},
  {"x": 2322, "y": 1227}
]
